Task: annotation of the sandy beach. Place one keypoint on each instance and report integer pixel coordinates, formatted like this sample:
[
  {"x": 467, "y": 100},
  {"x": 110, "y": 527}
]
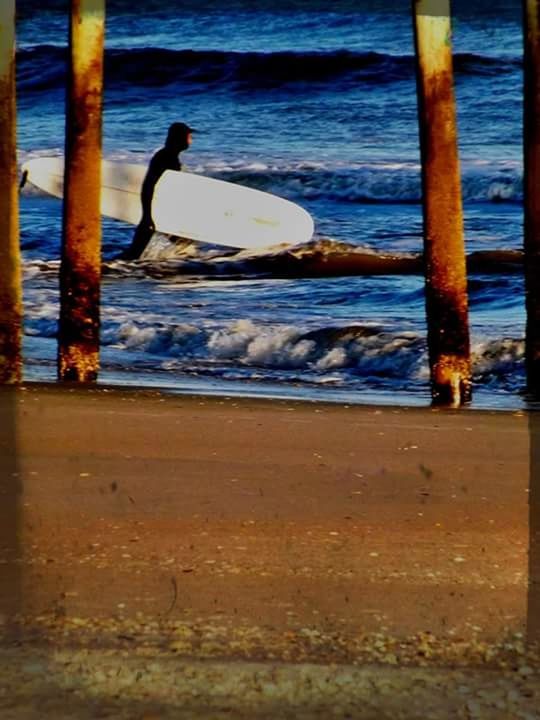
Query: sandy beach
[{"x": 234, "y": 536}]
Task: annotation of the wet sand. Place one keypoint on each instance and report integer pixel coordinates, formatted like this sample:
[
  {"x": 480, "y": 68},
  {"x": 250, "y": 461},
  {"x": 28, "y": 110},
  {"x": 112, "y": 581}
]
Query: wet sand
[{"x": 258, "y": 534}]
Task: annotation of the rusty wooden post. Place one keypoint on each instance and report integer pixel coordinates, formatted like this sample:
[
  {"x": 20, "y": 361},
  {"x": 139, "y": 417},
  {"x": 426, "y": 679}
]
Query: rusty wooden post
[
  {"x": 80, "y": 273},
  {"x": 531, "y": 188},
  {"x": 444, "y": 247},
  {"x": 10, "y": 276}
]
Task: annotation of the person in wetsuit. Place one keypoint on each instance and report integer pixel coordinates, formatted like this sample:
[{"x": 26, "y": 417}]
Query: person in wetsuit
[{"x": 178, "y": 139}]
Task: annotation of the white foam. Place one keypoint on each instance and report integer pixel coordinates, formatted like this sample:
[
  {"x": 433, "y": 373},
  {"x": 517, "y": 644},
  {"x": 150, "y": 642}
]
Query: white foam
[
  {"x": 336, "y": 358},
  {"x": 380, "y": 181},
  {"x": 498, "y": 356}
]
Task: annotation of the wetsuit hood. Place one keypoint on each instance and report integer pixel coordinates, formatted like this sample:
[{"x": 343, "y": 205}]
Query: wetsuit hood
[{"x": 177, "y": 137}]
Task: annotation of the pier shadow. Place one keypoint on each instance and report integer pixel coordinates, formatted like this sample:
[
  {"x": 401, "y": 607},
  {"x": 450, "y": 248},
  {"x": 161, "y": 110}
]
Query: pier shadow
[
  {"x": 533, "y": 598},
  {"x": 10, "y": 507}
]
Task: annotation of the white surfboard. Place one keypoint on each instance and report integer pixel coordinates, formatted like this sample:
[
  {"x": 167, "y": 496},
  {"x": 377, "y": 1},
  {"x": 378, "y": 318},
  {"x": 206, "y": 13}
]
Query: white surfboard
[{"x": 189, "y": 205}]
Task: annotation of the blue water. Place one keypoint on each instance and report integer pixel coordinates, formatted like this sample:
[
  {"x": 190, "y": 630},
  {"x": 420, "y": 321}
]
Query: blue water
[{"x": 315, "y": 102}]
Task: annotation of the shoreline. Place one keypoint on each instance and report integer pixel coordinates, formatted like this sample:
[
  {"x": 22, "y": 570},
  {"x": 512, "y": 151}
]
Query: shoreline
[{"x": 271, "y": 392}]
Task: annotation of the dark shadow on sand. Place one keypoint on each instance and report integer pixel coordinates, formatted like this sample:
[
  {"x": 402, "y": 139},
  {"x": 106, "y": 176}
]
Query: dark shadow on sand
[
  {"x": 10, "y": 507},
  {"x": 533, "y": 599}
]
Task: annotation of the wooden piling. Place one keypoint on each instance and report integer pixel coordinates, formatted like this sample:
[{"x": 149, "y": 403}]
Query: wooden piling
[
  {"x": 531, "y": 191},
  {"x": 10, "y": 277},
  {"x": 80, "y": 273},
  {"x": 444, "y": 247}
]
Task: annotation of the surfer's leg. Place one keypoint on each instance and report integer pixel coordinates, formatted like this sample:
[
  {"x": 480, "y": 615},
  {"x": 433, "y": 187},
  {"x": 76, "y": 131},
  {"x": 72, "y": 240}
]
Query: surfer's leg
[{"x": 141, "y": 238}]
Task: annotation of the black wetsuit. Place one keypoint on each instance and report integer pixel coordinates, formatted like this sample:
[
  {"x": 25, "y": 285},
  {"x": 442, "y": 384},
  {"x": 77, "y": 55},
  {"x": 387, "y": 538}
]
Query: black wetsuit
[{"x": 164, "y": 159}]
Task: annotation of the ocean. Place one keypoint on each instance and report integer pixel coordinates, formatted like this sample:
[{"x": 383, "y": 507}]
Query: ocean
[{"x": 315, "y": 102}]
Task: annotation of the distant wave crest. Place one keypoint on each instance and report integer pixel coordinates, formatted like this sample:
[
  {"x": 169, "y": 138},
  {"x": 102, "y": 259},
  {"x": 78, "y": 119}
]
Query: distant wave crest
[
  {"x": 359, "y": 183},
  {"x": 43, "y": 68},
  {"x": 375, "y": 182}
]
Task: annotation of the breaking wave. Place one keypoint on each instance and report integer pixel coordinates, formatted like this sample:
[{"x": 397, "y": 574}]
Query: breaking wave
[
  {"x": 42, "y": 68},
  {"x": 356, "y": 183}
]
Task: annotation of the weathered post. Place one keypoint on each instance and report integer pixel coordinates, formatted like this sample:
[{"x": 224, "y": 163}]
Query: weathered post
[
  {"x": 10, "y": 278},
  {"x": 531, "y": 188},
  {"x": 444, "y": 247},
  {"x": 80, "y": 273}
]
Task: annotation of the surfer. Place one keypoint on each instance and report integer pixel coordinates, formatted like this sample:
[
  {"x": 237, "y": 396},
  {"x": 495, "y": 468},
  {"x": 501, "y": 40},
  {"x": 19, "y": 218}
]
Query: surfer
[{"x": 167, "y": 158}]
